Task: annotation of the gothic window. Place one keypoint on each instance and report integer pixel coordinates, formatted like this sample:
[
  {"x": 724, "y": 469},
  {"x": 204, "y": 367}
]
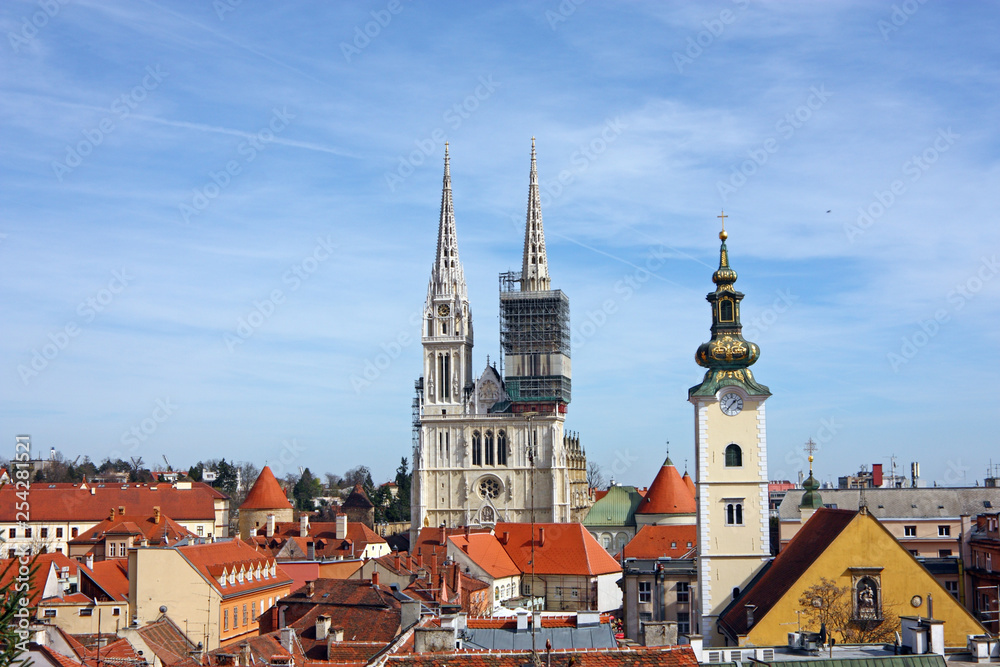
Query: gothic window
[
  {"x": 489, "y": 488},
  {"x": 489, "y": 448},
  {"x": 477, "y": 448},
  {"x": 444, "y": 328},
  {"x": 726, "y": 310},
  {"x": 501, "y": 448},
  {"x": 734, "y": 456},
  {"x": 734, "y": 513}
]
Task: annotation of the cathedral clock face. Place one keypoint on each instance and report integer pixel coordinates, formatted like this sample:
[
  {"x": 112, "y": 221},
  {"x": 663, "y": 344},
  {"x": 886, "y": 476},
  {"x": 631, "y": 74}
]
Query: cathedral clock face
[
  {"x": 731, "y": 403},
  {"x": 443, "y": 310}
]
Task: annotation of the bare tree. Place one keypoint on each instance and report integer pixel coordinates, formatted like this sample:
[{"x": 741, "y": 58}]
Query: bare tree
[
  {"x": 595, "y": 476},
  {"x": 827, "y": 604}
]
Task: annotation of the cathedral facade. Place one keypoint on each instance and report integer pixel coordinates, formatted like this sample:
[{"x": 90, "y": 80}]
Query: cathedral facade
[{"x": 493, "y": 447}]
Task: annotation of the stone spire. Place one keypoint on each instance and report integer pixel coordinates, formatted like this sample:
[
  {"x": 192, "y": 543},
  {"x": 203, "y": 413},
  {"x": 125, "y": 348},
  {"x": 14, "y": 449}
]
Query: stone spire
[
  {"x": 535, "y": 267},
  {"x": 447, "y": 276}
]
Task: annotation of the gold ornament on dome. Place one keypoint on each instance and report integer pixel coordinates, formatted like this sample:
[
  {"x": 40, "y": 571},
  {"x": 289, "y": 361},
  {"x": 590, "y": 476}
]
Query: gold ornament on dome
[{"x": 728, "y": 348}]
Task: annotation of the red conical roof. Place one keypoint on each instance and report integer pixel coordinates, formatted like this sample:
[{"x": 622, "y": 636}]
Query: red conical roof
[
  {"x": 668, "y": 494},
  {"x": 689, "y": 483},
  {"x": 266, "y": 494}
]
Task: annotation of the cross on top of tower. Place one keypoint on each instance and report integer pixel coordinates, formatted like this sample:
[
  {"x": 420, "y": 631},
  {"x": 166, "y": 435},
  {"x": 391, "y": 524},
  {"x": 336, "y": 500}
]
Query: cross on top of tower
[{"x": 723, "y": 235}]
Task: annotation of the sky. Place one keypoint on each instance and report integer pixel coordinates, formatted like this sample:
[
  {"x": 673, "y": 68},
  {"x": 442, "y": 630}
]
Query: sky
[{"x": 218, "y": 219}]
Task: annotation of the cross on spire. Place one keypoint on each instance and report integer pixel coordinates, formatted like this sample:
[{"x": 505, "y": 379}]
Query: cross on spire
[{"x": 723, "y": 234}]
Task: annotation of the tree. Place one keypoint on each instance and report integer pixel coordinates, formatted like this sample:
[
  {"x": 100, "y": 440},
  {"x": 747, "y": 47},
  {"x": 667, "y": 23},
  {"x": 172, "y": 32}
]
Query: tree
[
  {"x": 307, "y": 488},
  {"x": 358, "y": 475},
  {"x": 832, "y": 605},
  {"x": 247, "y": 475},
  {"x": 194, "y": 472},
  {"x": 334, "y": 481},
  {"x": 225, "y": 477},
  {"x": 399, "y": 507},
  {"x": 595, "y": 476},
  {"x": 14, "y": 605}
]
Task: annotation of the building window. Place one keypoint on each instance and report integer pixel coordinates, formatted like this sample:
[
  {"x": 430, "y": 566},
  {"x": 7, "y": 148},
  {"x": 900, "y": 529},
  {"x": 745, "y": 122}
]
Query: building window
[
  {"x": 59, "y": 533},
  {"x": 477, "y": 449},
  {"x": 645, "y": 616},
  {"x": 74, "y": 532},
  {"x": 944, "y": 553},
  {"x": 87, "y": 611},
  {"x": 683, "y": 592},
  {"x": 121, "y": 550},
  {"x": 989, "y": 561},
  {"x": 527, "y": 589},
  {"x": 27, "y": 532},
  {"x": 45, "y": 532},
  {"x": 734, "y": 513},
  {"x": 558, "y": 592},
  {"x": 116, "y": 611},
  {"x": 245, "y": 621},
  {"x": 944, "y": 531},
  {"x": 951, "y": 587},
  {"x": 236, "y": 618},
  {"x": 673, "y": 545},
  {"x": 501, "y": 448},
  {"x": 489, "y": 448},
  {"x": 683, "y": 623},
  {"x": 909, "y": 531},
  {"x": 734, "y": 456},
  {"x": 201, "y": 531},
  {"x": 12, "y": 533},
  {"x": 225, "y": 619},
  {"x": 645, "y": 591},
  {"x": 253, "y": 610},
  {"x": 575, "y": 593},
  {"x": 725, "y": 310},
  {"x": 606, "y": 541},
  {"x": 50, "y": 613}
]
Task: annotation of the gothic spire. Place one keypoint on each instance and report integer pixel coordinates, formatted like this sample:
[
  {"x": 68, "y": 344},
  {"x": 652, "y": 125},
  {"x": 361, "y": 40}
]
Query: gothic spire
[
  {"x": 447, "y": 274},
  {"x": 534, "y": 267}
]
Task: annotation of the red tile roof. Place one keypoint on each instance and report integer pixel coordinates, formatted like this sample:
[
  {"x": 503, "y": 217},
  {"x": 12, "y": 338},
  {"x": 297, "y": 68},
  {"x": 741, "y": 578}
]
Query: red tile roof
[
  {"x": 91, "y": 502},
  {"x": 266, "y": 493},
  {"x": 165, "y": 531},
  {"x": 324, "y": 536},
  {"x": 58, "y": 658},
  {"x": 358, "y": 499},
  {"x": 365, "y": 612},
  {"x": 486, "y": 551},
  {"x": 668, "y": 494},
  {"x": 9, "y": 570},
  {"x": 166, "y": 640},
  {"x": 660, "y": 541},
  {"x": 211, "y": 560},
  {"x": 662, "y": 656},
  {"x": 111, "y": 576},
  {"x": 773, "y": 581},
  {"x": 689, "y": 483},
  {"x": 560, "y": 548}
]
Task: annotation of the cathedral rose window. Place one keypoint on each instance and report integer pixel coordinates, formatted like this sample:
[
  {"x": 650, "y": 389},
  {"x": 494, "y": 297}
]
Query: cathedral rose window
[{"x": 489, "y": 488}]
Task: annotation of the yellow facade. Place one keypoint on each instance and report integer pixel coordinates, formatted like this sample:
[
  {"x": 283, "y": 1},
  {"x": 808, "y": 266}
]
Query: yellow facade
[{"x": 865, "y": 543}]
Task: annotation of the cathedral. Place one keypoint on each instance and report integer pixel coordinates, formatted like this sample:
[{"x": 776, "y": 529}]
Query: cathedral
[{"x": 494, "y": 448}]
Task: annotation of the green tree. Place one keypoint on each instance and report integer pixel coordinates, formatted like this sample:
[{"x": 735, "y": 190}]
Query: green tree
[
  {"x": 306, "y": 488},
  {"x": 225, "y": 479},
  {"x": 194, "y": 472},
  {"x": 14, "y": 605}
]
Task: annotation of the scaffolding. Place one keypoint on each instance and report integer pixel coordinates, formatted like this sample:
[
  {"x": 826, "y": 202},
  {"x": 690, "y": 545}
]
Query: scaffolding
[{"x": 535, "y": 341}]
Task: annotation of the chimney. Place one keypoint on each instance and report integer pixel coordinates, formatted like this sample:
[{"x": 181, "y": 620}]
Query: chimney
[
  {"x": 310, "y": 588},
  {"x": 245, "y": 654},
  {"x": 443, "y": 536},
  {"x": 374, "y": 579},
  {"x": 322, "y": 627},
  {"x": 111, "y": 514},
  {"x": 434, "y": 568},
  {"x": 156, "y": 514},
  {"x": 395, "y": 560},
  {"x": 522, "y": 620},
  {"x": 311, "y": 549},
  {"x": 541, "y": 537},
  {"x": 288, "y": 639},
  {"x": 303, "y": 524},
  {"x": 504, "y": 538},
  {"x": 271, "y": 521},
  {"x": 341, "y": 526},
  {"x": 465, "y": 547},
  {"x": 90, "y": 560},
  {"x": 121, "y": 510}
]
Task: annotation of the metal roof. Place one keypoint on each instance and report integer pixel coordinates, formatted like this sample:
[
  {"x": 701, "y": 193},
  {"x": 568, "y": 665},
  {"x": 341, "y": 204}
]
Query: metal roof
[
  {"x": 616, "y": 508},
  {"x": 889, "y": 504},
  {"x": 595, "y": 636}
]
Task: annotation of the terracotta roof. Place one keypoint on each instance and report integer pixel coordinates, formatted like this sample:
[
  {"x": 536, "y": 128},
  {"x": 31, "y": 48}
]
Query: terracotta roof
[
  {"x": 668, "y": 494},
  {"x": 775, "y": 579},
  {"x": 266, "y": 493},
  {"x": 166, "y": 640},
  {"x": 91, "y": 502},
  {"x": 365, "y": 612},
  {"x": 212, "y": 559},
  {"x": 358, "y": 499},
  {"x": 486, "y": 551},
  {"x": 9, "y": 570},
  {"x": 56, "y": 657},
  {"x": 689, "y": 483},
  {"x": 140, "y": 525},
  {"x": 324, "y": 536},
  {"x": 111, "y": 576},
  {"x": 560, "y": 548},
  {"x": 662, "y": 656},
  {"x": 660, "y": 541}
]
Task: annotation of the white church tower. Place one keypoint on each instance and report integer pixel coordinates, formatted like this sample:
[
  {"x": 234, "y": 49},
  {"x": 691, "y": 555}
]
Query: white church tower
[{"x": 495, "y": 449}]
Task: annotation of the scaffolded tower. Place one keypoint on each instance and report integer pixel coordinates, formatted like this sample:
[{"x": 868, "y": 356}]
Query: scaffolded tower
[{"x": 534, "y": 323}]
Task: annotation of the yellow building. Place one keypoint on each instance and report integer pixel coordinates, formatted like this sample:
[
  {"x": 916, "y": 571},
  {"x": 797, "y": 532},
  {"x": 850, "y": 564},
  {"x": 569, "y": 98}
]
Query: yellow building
[{"x": 846, "y": 567}]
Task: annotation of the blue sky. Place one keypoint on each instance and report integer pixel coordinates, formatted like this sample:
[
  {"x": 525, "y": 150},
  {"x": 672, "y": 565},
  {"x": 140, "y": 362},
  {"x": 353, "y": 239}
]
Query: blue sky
[{"x": 216, "y": 218}]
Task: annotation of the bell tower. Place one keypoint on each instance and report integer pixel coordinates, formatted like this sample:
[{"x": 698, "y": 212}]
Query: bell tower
[{"x": 731, "y": 455}]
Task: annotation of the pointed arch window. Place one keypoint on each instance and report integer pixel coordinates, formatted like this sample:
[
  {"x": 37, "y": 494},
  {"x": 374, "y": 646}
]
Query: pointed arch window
[
  {"x": 734, "y": 456},
  {"x": 490, "y": 460},
  {"x": 726, "y": 310},
  {"x": 477, "y": 448},
  {"x": 501, "y": 448}
]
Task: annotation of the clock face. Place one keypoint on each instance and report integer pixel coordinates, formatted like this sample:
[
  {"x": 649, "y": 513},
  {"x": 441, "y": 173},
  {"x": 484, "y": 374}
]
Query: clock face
[
  {"x": 443, "y": 310},
  {"x": 731, "y": 404}
]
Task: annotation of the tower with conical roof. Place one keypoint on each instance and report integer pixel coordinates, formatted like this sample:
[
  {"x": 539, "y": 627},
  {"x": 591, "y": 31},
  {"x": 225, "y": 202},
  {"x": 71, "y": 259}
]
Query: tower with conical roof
[
  {"x": 264, "y": 499},
  {"x": 731, "y": 455},
  {"x": 668, "y": 501}
]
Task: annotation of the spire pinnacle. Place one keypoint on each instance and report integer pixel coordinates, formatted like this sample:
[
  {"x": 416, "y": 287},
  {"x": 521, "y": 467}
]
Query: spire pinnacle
[
  {"x": 534, "y": 267},
  {"x": 447, "y": 274}
]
